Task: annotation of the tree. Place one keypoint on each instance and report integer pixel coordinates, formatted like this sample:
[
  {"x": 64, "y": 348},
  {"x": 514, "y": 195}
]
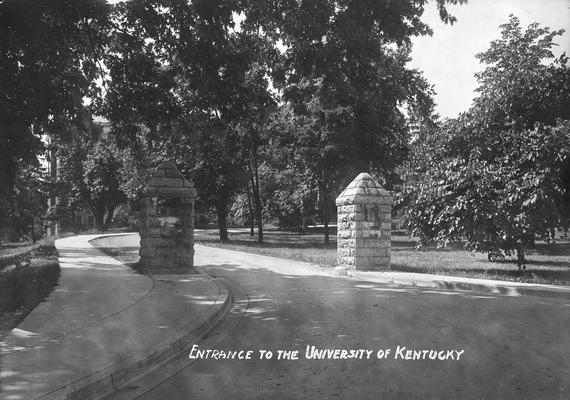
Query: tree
[
  {"x": 344, "y": 73},
  {"x": 517, "y": 88},
  {"x": 193, "y": 61},
  {"x": 206, "y": 152},
  {"x": 292, "y": 191},
  {"x": 197, "y": 81},
  {"x": 101, "y": 183},
  {"x": 253, "y": 130},
  {"x": 23, "y": 211},
  {"x": 89, "y": 175},
  {"x": 47, "y": 47},
  {"x": 498, "y": 174}
]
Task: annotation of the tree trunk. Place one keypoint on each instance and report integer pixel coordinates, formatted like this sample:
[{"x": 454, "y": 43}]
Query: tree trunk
[
  {"x": 528, "y": 241},
  {"x": 222, "y": 222},
  {"x": 304, "y": 224},
  {"x": 109, "y": 218},
  {"x": 520, "y": 258},
  {"x": 254, "y": 177},
  {"x": 251, "y": 214},
  {"x": 324, "y": 205},
  {"x": 326, "y": 223},
  {"x": 99, "y": 222},
  {"x": 99, "y": 217},
  {"x": 33, "y": 231},
  {"x": 258, "y": 210},
  {"x": 52, "y": 199},
  {"x": 73, "y": 220}
]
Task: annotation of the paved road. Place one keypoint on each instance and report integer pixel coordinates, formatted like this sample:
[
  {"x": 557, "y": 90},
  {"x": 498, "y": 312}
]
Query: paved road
[{"x": 512, "y": 347}]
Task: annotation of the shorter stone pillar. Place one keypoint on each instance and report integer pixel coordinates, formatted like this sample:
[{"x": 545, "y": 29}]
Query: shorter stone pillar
[
  {"x": 364, "y": 225},
  {"x": 167, "y": 220}
]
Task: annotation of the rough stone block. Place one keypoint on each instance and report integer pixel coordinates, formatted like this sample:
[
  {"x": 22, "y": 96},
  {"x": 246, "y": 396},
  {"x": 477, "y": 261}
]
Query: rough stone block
[
  {"x": 375, "y": 243},
  {"x": 348, "y": 209},
  {"x": 168, "y": 243},
  {"x": 168, "y": 253},
  {"x": 159, "y": 191},
  {"x": 346, "y": 243},
  {"x": 381, "y": 261},
  {"x": 171, "y": 172},
  {"x": 372, "y": 263},
  {"x": 167, "y": 182},
  {"x": 372, "y": 252},
  {"x": 151, "y": 232}
]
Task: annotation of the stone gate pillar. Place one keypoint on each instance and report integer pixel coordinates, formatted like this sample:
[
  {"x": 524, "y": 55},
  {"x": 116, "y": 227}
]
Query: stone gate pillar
[
  {"x": 364, "y": 222},
  {"x": 167, "y": 220}
]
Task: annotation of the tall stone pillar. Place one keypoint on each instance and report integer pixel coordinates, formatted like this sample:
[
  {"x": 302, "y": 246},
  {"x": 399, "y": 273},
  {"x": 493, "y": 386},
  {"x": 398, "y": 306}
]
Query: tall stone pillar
[
  {"x": 166, "y": 222},
  {"x": 364, "y": 222}
]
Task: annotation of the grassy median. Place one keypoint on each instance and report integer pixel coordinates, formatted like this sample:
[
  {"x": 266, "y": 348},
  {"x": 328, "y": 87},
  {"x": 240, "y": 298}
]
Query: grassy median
[{"x": 546, "y": 263}]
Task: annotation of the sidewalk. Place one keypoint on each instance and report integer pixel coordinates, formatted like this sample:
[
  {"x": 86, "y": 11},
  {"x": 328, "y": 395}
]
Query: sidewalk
[{"x": 68, "y": 345}]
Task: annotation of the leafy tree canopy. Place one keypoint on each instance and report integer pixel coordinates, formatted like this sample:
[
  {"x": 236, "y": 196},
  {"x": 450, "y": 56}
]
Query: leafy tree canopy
[
  {"x": 48, "y": 64},
  {"x": 200, "y": 74},
  {"x": 498, "y": 174}
]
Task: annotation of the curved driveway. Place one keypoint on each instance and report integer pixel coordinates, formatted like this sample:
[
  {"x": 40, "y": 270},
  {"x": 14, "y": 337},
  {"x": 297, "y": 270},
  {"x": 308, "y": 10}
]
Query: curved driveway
[{"x": 513, "y": 347}]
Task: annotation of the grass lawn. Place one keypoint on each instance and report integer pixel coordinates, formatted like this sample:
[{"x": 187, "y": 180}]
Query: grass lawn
[
  {"x": 284, "y": 244},
  {"x": 24, "y": 286},
  {"x": 548, "y": 263}
]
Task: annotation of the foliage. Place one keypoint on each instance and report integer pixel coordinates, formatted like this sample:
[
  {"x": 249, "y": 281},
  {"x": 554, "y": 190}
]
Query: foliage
[
  {"x": 46, "y": 47},
  {"x": 291, "y": 190},
  {"x": 193, "y": 79},
  {"x": 498, "y": 175},
  {"x": 194, "y": 87},
  {"x": 343, "y": 72},
  {"x": 89, "y": 176},
  {"x": 101, "y": 183},
  {"x": 22, "y": 211},
  {"x": 517, "y": 88},
  {"x": 198, "y": 82}
]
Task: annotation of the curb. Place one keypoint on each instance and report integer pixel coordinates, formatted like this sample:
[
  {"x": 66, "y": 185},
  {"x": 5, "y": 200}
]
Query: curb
[
  {"x": 104, "y": 382},
  {"x": 491, "y": 286}
]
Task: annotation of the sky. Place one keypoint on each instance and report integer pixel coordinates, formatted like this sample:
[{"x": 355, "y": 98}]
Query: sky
[{"x": 448, "y": 57}]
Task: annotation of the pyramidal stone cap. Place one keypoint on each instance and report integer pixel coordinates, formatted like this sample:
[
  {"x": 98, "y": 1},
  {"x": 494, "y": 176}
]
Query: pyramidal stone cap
[
  {"x": 168, "y": 181},
  {"x": 364, "y": 190}
]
